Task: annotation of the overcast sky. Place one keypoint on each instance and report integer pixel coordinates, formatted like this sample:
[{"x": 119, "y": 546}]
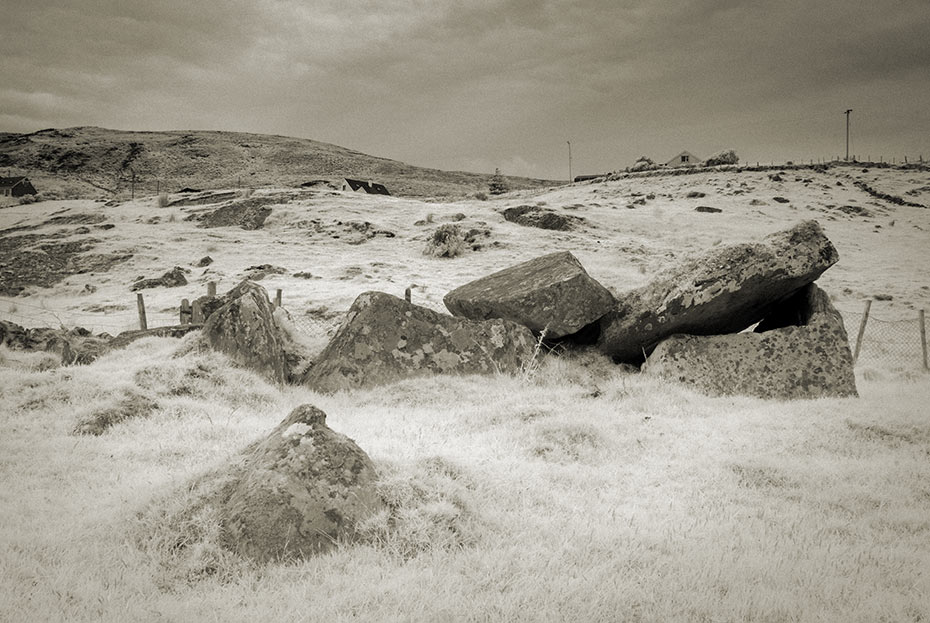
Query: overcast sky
[{"x": 478, "y": 84}]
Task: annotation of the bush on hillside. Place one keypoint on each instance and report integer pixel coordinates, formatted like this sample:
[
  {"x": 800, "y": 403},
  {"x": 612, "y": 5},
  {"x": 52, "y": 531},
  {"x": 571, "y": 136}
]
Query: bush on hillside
[
  {"x": 446, "y": 241},
  {"x": 498, "y": 185},
  {"x": 644, "y": 163},
  {"x": 724, "y": 157}
]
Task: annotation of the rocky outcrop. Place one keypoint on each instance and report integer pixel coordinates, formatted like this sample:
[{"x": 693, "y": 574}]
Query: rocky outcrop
[
  {"x": 172, "y": 278},
  {"x": 723, "y": 291},
  {"x": 295, "y": 494},
  {"x": 534, "y": 216},
  {"x": 385, "y": 339},
  {"x": 73, "y": 346},
  {"x": 552, "y": 293},
  {"x": 244, "y": 328},
  {"x": 800, "y": 351}
]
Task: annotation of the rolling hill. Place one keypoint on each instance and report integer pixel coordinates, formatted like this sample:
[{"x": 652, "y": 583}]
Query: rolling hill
[{"x": 84, "y": 162}]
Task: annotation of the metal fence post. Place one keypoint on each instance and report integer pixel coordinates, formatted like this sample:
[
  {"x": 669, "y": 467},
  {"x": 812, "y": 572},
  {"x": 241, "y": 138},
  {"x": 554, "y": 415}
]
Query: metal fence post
[{"x": 865, "y": 319}]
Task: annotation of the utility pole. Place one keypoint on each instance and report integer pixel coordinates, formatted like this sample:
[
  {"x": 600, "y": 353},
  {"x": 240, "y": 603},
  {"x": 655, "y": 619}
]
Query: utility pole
[
  {"x": 849, "y": 110},
  {"x": 570, "y": 178}
]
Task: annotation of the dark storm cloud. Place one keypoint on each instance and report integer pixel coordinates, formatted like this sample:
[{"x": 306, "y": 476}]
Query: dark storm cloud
[{"x": 479, "y": 84}]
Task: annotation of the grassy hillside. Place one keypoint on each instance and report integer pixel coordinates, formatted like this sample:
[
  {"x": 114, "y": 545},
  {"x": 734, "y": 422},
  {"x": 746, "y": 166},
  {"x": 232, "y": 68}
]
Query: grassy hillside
[
  {"x": 574, "y": 492},
  {"x": 85, "y": 161}
]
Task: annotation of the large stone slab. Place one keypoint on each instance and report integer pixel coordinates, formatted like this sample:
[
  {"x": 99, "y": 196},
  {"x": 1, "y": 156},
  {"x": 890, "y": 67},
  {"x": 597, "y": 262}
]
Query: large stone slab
[
  {"x": 722, "y": 291},
  {"x": 801, "y": 352},
  {"x": 551, "y": 292},
  {"x": 293, "y": 495},
  {"x": 245, "y": 329},
  {"x": 385, "y": 339}
]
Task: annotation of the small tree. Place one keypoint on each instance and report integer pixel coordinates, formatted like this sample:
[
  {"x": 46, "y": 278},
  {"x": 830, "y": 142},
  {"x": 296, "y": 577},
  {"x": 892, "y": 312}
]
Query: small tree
[{"x": 498, "y": 185}]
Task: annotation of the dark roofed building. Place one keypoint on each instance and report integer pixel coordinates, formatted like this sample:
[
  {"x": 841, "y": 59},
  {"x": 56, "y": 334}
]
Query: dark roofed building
[
  {"x": 16, "y": 187},
  {"x": 359, "y": 186}
]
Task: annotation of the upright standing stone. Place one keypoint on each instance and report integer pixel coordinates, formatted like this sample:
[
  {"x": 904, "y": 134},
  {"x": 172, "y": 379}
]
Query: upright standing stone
[
  {"x": 802, "y": 351},
  {"x": 245, "y": 329}
]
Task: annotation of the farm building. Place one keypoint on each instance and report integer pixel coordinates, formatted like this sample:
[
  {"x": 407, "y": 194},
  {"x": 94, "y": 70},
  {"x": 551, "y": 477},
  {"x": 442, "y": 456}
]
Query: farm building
[
  {"x": 684, "y": 159},
  {"x": 359, "y": 186},
  {"x": 16, "y": 187}
]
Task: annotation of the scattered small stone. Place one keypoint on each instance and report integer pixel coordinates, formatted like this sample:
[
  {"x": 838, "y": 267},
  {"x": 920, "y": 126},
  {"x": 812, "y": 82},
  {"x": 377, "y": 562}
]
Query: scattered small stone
[
  {"x": 707, "y": 209},
  {"x": 781, "y": 200},
  {"x": 695, "y": 194},
  {"x": 205, "y": 261}
]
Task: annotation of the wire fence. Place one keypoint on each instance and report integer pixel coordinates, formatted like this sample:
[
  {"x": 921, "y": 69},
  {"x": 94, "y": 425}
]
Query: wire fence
[
  {"x": 36, "y": 313},
  {"x": 898, "y": 344},
  {"x": 893, "y": 344}
]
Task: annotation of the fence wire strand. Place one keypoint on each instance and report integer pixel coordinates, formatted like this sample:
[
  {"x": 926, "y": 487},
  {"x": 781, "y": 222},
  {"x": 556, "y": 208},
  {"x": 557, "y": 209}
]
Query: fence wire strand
[{"x": 891, "y": 344}]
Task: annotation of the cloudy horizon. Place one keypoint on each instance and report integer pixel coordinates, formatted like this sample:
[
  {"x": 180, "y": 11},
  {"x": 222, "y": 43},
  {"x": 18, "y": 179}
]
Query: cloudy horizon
[{"x": 492, "y": 84}]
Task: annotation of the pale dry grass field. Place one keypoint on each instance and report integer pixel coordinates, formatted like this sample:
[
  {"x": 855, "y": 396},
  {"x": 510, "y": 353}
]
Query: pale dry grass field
[{"x": 575, "y": 492}]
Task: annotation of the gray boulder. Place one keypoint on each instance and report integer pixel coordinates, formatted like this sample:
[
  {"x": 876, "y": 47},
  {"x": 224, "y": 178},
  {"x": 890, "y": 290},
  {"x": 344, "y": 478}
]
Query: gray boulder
[
  {"x": 295, "y": 494},
  {"x": 723, "y": 291},
  {"x": 172, "y": 278},
  {"x": 244, "y": 328},
  {"x": 551, "y": 292},
  {"x": 385, "y": 339},
  {"x": 799, "y": 351}
]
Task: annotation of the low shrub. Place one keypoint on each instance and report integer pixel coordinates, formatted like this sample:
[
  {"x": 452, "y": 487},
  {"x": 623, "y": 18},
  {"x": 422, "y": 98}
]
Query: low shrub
[{"x": 446, "y": 241}]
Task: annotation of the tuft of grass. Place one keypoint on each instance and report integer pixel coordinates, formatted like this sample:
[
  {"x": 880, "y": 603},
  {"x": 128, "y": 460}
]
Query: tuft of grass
[
  {"x": 130, "y": 404},
  {"x": 446, "y": 241}
]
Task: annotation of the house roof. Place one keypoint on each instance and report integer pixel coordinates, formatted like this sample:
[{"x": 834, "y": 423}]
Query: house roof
[
  {"x": 369, "y": 187},
  {"x": 691, "y": 156},
  {"x": 10, "y": 182}
]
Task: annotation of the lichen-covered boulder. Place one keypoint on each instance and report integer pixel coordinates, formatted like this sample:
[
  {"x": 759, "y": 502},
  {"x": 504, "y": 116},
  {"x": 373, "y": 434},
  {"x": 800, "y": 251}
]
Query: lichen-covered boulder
[
  {"x": 801, "y": 351},
  {"x": 722, "y": 291},
  {"x": 552, "y": 293},
  {"x": 385, "y": 339},
  {"x": 296, "y": 493},
  {"x": 244, "y": 328}
]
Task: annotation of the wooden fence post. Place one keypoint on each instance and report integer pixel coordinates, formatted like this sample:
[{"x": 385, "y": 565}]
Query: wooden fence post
[
  {"x": 865, "y": 319},
  {"x": 407, "y": 294},
  {"x": 197, "y": 312},
  {"x": 141, "y": 305},
  {"x": 923, "y": 337},
  {"x": 185, "y": 311},
  {"x": 211, "y": 288},
  {"x": 277, "y": 298}
]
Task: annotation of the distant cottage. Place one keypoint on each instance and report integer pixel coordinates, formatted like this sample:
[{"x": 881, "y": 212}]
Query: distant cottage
[
  {"x": 16, "y": 187},
  {"x": 359, "y": 186},
  {"x": 685, "y": 158}
]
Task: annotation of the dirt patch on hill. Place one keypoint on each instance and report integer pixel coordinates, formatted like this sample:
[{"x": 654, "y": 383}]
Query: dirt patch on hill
[{"x": 34, "y": 260}]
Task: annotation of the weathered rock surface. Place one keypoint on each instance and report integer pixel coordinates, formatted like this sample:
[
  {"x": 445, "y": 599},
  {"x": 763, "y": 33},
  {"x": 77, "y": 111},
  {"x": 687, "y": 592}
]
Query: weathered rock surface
[
  {"x": 534, "y": 216},
  {"x": 722, "y": 291},
  {"x": 295, "y": 493},
  {"x": 244, "y": 328},
  {"x": 385, "y": 339},
  {"x": 801, "y": 351},
  {"x": 73, "y": 346},
  {"x": 172, "y": 278},
  {"x": 551, "y": 292}
]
